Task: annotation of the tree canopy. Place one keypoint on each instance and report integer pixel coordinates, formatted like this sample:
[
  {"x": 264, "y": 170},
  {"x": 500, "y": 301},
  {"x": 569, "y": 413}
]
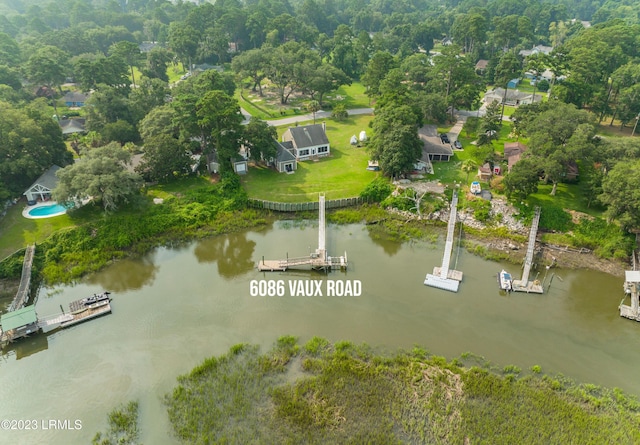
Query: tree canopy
[
  {"x": 30, "y": 142},
  {"x": 102, "y": 175}
]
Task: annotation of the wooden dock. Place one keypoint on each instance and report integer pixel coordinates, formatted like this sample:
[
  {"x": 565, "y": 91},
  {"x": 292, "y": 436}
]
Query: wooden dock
[
  {"x": 318, "y": 260},
  {"x": 79, "y": 312},
  {"x": 524, "y": 285},
  {"x": 22, "y": 296},
  {"x": 443, "y": 277},
  {"x": 632, "y": 288}
]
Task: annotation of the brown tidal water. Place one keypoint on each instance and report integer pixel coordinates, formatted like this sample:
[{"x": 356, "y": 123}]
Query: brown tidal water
[{"x": 176, "y": 306}]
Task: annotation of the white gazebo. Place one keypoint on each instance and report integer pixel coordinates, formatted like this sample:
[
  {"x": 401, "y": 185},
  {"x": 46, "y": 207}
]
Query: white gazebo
[{"x": 43, "y": 186}]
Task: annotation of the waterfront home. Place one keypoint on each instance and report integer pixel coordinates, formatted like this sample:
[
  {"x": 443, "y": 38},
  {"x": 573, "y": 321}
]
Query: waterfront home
[{"x": 308, "y": 141}]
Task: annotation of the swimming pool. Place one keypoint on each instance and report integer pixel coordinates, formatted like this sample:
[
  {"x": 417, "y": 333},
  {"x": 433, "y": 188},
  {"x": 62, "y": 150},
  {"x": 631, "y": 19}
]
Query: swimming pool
[{"x": 47, "y": 211}]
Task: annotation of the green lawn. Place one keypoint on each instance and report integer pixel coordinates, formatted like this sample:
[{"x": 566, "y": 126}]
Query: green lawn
[
  {"x": 16, "y": 231},
  {"x": 266, "y": 108},
  {"x": 448, "y": 172},
  {"x": 254, "y": 105},
  {"x": 353, "y": 96},
  {"x": 341, "y": 175},
  {"x": 568, "y": 196}
]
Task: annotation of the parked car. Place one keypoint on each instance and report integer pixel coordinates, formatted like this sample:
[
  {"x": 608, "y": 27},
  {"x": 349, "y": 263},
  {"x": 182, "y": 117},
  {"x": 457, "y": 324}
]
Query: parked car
[
  {"x": 457, "y": 145},
  {"x": 444, "y": 138}
]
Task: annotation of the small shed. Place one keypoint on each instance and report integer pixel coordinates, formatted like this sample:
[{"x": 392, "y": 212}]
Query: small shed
[
  {"x": 485, "y": 172},
  {"x": 481, "y": 66},
  {"x": 240, "y": 165},
  {"x": 212, "y": 163},
  {"x": 22, "y": 322},
  {"x": 43, "y": 186}
]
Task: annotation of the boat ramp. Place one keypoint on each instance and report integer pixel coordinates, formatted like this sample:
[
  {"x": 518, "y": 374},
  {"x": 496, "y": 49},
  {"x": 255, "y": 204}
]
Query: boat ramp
[
  {"x": 318, "y": 260},
  {"x": 443, "y": 277}
]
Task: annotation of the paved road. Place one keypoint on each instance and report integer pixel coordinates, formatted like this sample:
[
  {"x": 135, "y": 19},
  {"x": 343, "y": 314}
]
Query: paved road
[{"x": 305, "y": 117}]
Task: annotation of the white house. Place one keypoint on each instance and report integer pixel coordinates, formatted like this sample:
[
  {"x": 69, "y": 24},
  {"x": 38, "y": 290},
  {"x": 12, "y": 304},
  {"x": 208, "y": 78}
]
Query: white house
[
  {"x": 285, "y": 161},
  {"x": 308, "y": 142},
  {"x": 43, "y": 186}
]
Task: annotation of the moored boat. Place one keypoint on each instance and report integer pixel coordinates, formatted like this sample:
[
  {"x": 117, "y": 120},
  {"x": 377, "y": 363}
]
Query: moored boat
[
  {"x": 475, "y": 188},
  {"x": 97, "y": 298},
  {"x": 505, "y": 280}
]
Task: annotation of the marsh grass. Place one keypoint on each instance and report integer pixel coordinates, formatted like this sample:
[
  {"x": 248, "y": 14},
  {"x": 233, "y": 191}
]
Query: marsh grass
[
  {"x": 347, "y": 393},
  {"x": 123, "y": 427}
]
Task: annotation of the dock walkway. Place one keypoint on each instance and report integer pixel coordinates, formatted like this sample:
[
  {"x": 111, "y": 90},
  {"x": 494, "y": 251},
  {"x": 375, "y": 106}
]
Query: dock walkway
[
  {"x": 22, "y": 296},
  {"x": 316, "y": 260},
  {"x": 443, "y": 277},
  {"x": 524, "y": 285}
]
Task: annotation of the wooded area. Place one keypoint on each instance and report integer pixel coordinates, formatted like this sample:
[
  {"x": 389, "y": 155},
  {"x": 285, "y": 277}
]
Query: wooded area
[{"x": 418, "y": 61}]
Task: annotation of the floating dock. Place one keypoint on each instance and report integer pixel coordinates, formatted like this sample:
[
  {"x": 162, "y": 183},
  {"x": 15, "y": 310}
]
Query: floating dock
[
  {"x": 443, "y": 277},
  {"x": 524, "y": 285},
  {"x": 318, "y": 260},
  {"x": 24, "y": 322}
]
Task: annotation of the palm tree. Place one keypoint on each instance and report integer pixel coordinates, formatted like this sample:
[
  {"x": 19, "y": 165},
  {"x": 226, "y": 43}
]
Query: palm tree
[
  {"x": 469, "y": 165},
  {"x": 313, "y": 106}
]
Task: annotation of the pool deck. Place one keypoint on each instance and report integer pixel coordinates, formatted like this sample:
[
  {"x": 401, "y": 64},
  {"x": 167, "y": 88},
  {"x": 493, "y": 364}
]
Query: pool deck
[{"x": 27, "y": 209}]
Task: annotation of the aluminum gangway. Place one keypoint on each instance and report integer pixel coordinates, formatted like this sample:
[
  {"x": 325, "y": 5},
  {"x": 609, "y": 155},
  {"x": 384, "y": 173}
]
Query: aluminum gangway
[{"x": 443, "y": 277}]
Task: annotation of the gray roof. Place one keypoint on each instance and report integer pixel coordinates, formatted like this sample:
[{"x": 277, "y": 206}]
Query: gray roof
[
  {"x": 75, "y": 96},
  {"x": 69, "y": 126},
  {"x": 307, "y": 136},
  {"x": 512, "y": 94},
  {"x": 48, "y": 179},
  {"x": 438, "y": 149},
  {"x": 283, "y": 153}
]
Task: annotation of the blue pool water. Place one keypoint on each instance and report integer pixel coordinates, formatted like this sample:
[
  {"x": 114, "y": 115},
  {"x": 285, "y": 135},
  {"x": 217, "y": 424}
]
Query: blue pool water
[{"x": 52, "y": 209}]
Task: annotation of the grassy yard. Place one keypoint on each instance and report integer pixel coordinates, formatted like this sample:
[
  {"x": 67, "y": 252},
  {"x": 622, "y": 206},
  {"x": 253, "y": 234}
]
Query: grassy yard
[
  {"x": 353, "y": 96},
  {"x": 251, "y": 102},
  {"x": 341, "y": 175},
  {"x": 450, "y": 172},
  {"x": 568, "y": 196},
  {"x": 16, "y": 231},
  {"x": 268, "y": 106}
]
